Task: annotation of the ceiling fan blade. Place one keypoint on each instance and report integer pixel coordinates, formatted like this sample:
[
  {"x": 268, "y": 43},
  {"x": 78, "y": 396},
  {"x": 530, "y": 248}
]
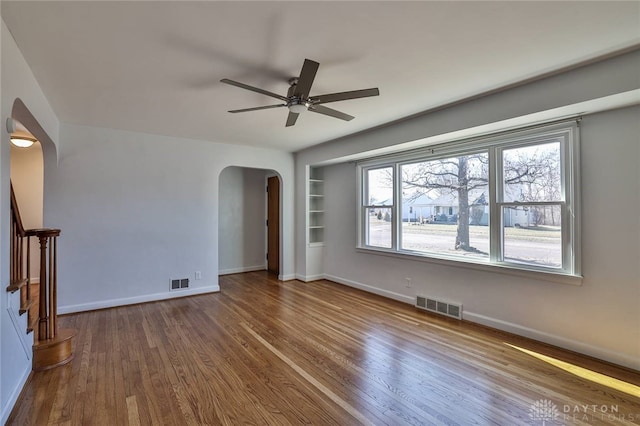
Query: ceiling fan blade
[
  {"x": 307, "y": 75},
  {"x": 291, "y": 119},
  {"x": 253, "y": 89},
  {"x": 258, "y": 108},
  {"x": 343, "y": 96},
  {"x": 330, "y": 112}
]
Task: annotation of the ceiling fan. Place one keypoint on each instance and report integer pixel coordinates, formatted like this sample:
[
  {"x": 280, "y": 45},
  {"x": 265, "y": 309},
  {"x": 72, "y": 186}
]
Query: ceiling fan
[{"x": 298, "y": 99}]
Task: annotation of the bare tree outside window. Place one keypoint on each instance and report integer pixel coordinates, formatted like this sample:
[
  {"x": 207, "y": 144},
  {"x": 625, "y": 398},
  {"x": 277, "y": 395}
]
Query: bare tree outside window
[{"x": 457, "y": 177}]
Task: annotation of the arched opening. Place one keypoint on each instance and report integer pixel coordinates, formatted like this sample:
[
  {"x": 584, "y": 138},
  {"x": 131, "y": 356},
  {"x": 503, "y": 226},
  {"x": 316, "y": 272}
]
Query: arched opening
[
  {"x": 26, "y": 123},
  {"x": 27, "y": 180},
  {"x": 34, "y": 266},
  {"x": 21, "y": 114},
  {"x": 28, "y": 169},
  {"x": 243, "y": 238}
]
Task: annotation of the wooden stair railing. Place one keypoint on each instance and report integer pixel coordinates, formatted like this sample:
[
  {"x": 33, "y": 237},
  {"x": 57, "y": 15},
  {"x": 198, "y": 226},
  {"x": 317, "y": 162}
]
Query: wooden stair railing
[
  {"x": 20, "y": 262},
  {"x": 52, "y": 347}
]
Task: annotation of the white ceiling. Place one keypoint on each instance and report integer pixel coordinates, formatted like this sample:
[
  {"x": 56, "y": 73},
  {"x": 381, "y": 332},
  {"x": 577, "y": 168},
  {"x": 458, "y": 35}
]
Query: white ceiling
[{"x": 155, "y": 66}]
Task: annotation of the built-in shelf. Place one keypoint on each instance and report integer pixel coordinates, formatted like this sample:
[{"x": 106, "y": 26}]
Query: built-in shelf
[{"x": 315, "y": 217}]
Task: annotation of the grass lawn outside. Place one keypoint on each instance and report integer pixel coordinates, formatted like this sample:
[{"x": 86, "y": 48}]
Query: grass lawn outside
[
  {"x": 540, "y": 245},
  {"x": 538, "y": 233}
]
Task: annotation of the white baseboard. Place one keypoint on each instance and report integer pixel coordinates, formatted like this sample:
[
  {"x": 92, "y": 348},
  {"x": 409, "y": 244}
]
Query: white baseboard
[
  {"x": 308, "y": 278},
  {"x": 242, "y": 269},
  {"x": 562, "y": 342},
  {"x": 13, "y": 397},
  {"x": 287, "y": 277},
  {"x": 541, "y": 336},
  {"x": 103, "y": 304},
  {"x": 371, "y": 289}
]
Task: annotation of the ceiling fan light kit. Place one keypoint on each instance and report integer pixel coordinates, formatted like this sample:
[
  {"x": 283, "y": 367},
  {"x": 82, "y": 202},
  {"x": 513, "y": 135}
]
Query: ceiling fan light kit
[
  {"x": 298, "y": 99},
  {"x": 298, "y": 106}
]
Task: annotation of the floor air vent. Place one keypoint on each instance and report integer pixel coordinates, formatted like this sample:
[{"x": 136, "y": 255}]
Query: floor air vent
[{"x": 439, "y": 307}]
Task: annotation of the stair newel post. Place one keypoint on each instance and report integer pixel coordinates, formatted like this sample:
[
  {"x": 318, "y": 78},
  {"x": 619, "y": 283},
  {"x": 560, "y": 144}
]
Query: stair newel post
[
  {"x": 53, "y": 293},
  {"x": 43, "y": 332}
]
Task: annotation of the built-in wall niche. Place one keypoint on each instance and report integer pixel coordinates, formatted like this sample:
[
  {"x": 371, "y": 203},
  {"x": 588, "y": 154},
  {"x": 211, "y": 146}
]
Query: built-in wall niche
[{"x": 315, "y": 212}]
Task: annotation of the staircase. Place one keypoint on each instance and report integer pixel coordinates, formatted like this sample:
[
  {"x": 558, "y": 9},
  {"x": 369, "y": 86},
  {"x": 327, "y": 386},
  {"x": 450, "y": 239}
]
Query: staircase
[{"x": 39, "y": 302}]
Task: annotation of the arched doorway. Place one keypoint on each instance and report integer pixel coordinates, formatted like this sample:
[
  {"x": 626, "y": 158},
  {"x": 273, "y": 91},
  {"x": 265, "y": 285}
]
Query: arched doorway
[
  {"x": 248, "y": 220},
  {"x": 27, "y": 181}
]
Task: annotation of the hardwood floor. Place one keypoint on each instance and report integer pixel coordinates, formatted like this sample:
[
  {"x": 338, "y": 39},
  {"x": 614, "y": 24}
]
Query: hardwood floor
[{"x": 265, "y": 352}]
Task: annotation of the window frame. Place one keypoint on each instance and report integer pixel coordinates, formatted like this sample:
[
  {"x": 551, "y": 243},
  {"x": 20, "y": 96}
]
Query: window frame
[
  {"x": 363, "y": 184},
  {"x": 566, "y": 133}
]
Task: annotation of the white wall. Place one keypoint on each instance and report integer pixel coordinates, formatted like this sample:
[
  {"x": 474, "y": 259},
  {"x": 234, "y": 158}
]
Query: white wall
[
  {"x": 17, "y": 81},
  {"x": 27, "y": 177},
  {"x": 241, "y": 223},
  {"x": 599, "y": 317},
  {"x": 137, "y": 210}
]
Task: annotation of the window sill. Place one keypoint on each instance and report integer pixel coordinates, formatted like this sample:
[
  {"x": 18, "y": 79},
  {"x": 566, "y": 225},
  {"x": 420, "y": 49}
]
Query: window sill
[{"x": 556, "y": 277}]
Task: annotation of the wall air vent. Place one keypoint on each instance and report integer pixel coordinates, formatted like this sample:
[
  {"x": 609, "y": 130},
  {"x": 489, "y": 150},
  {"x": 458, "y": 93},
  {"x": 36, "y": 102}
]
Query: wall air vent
[
  {"x": 452, "y": 310},
  {"x": 179, "y": 283}
]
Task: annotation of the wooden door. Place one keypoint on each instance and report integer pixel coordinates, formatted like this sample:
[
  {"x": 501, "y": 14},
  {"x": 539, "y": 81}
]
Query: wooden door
[{"x": 273, "y": 224}]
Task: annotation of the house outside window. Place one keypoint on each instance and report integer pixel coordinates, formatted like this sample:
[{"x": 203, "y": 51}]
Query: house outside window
[{"x": 508, "y": 201}]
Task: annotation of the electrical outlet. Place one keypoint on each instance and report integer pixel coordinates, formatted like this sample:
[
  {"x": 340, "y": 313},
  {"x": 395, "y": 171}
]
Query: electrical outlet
[
  {"x": 198, "y": 275},
  {"x": 409, "y": 284}
]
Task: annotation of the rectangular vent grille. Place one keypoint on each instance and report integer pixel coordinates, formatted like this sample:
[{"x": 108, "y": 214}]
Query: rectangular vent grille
[
  {"x": 179, "y": 283},
  {"x": 439, "y": 307}
]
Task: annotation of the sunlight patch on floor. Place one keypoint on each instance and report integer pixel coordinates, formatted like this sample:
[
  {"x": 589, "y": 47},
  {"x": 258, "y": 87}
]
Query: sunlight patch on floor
[{"x": 584, "y": 373}]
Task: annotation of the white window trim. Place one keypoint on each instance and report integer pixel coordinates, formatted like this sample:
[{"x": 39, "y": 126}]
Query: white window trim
[{"x": 570, "y": 273}]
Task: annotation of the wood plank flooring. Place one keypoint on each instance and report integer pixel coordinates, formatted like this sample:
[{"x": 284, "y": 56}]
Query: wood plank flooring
[{"x": 264, "y": 352}]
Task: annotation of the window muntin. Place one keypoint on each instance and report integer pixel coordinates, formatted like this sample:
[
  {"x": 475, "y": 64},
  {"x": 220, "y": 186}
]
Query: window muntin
[{"x": 529, "y": 177}]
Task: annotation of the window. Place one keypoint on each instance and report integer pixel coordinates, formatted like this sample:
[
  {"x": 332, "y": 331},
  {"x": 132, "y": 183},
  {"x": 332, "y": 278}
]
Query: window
[
  {"x": 378, "y": 209},
  {"x": 532, "y": 200},
  {"x": 508, "y": 201},
  {"x": 440, "y": 191}
]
